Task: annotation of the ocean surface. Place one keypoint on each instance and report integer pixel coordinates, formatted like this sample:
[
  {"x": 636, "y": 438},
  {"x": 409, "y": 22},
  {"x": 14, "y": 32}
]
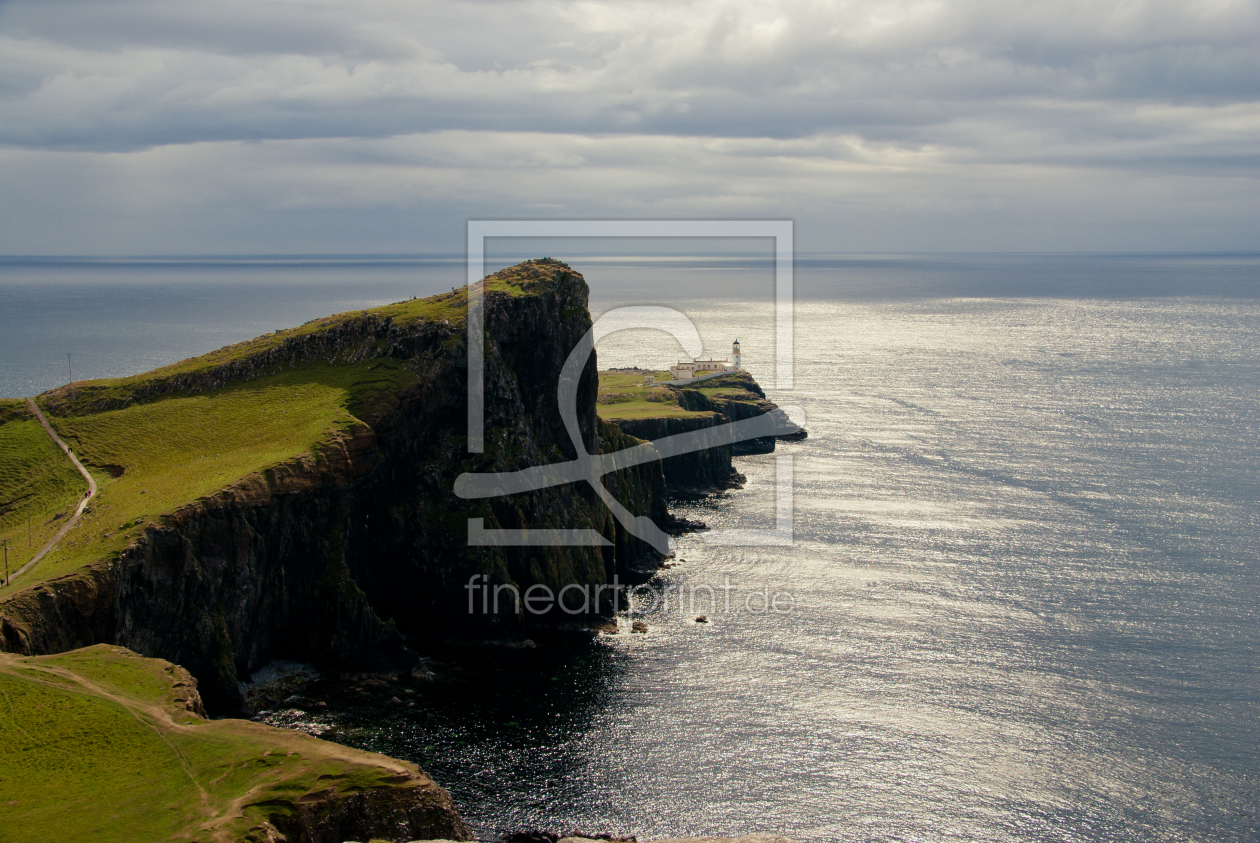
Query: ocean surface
[{"x": 1022, "y": 601}]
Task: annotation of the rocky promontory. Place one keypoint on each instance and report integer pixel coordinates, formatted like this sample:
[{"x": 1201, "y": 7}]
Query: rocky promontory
[
  {"x": 344, "y": 548},
  {"x": 291, "y": 498},
  {"x": 651, "y": 411}
]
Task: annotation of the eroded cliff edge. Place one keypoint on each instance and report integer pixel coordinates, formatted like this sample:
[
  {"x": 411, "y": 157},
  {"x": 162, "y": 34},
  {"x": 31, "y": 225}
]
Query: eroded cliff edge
[
  {"x": 702, "y": 409},
  {"x": 329, "y": 557},
  {"x": 337, "y": 556}
]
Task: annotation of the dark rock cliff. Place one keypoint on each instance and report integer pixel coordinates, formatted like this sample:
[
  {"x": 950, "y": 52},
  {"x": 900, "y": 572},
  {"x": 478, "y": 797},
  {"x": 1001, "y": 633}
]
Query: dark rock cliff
[
  {"x": 729, "y": 398},
  {"x": 331, "y": 557},
  {"x": 697, "y": 471}
]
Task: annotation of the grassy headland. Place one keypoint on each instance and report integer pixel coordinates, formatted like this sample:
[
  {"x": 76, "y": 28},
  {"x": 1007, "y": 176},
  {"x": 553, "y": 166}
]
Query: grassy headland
[
  {"x": 627, "y": 395},
  {"x": 157, "y": 441},
  {"x": 101, "y": 744},
  {"x": 150, "y": 458}
]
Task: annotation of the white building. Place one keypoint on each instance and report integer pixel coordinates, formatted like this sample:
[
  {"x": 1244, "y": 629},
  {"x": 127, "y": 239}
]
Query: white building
[{"x": 686, "y": 370}]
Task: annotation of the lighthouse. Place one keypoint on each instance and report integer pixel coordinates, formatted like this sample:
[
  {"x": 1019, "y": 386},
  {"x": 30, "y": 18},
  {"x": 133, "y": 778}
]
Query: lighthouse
[{"x": 735, "y": 354}]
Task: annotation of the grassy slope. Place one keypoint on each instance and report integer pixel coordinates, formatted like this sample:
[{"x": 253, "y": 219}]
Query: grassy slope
[
  {"x": 452, "y": 307},
  {"x": 94, "y": 745},
  {"x": 625, "y": 395},
  {"x": 37, "y": 484},
  {"x": 728, "y": 388},
  {"x": 180, "y": 447}
]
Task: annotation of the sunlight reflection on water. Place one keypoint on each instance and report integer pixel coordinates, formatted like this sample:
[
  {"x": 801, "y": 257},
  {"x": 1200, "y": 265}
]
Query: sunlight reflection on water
[{"x": 1026, "y": 566}]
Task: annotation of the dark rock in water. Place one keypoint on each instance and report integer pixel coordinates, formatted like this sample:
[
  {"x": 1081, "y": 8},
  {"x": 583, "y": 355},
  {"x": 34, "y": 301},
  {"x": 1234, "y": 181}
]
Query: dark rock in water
[
  {"x": 678, "y": 526},
  {"x": 530, "y": 837},
  {"x": 638, "y": 626},
  {"x": 537, "y": 836},
  {"x": 702, "y": 619}
]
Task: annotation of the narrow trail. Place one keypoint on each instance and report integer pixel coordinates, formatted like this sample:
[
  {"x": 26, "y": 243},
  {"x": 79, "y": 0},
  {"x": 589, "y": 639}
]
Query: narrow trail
[{"x": 78, "y": 512}]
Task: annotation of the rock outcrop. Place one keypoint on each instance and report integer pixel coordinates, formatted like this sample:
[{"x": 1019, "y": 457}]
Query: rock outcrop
[
  {"x": 331, "y": 557},
  {"x": 727, "y": 399}
]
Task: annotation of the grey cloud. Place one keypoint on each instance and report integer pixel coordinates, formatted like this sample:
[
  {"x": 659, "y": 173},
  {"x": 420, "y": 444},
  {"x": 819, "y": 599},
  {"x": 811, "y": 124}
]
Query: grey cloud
[
  {"x": 137, "y": 74},
  {"x": 412, "y": 193},
  {"x": 972, "y": 120}
]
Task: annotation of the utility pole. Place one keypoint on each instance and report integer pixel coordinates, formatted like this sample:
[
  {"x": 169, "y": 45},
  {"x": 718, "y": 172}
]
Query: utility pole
[
  {"x": 71, "y": 368},
  {"x": 6, "y": 561}
]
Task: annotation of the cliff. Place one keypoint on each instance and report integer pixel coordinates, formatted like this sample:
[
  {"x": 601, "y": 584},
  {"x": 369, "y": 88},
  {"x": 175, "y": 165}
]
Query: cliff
[
  {"x": 291, "y": 496},
  {"x": 330, "y": 554},
  {"x": 653, "y": 411}
]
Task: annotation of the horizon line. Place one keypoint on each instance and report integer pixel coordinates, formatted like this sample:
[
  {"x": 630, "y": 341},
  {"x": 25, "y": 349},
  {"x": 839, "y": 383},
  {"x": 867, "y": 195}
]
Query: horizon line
[{"x": 450, "y": 257}]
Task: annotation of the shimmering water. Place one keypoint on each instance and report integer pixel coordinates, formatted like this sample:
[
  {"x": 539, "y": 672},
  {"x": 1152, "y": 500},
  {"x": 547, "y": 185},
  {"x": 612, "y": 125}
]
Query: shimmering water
[
  {"x": 1027, "y": 581},
  {"x": 1026, "y": 568}
]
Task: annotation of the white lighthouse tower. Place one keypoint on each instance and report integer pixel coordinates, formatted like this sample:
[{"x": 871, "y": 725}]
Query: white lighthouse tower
[{"x": 735, "y": 354}]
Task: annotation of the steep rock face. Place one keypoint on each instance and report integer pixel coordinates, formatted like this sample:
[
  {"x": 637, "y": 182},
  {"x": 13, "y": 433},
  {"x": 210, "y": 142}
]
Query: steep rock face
[
  {"x": 408, "y": 534},
  {"x": 224, "y": 584},
  {"x": 697, "y": 471},
  {"x": 413, "y": 809},
  {"x": 711, "y": 467},
  {"x": 327, "y": 558}
]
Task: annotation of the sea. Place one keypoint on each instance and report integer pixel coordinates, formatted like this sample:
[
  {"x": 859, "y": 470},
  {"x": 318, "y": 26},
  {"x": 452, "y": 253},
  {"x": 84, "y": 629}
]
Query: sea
[{"x": 1016, "y": 589}]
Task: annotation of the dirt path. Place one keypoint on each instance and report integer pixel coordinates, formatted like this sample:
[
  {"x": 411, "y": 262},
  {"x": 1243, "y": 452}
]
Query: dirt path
[
  {"x": 218, "y": 812},
  {"x": 74, "y": 519}
]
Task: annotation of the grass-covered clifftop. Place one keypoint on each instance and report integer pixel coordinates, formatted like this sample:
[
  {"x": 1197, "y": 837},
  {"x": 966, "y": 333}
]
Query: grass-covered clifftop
[
  {"x": 651, "y": 410},
  {"x": 100, "y": 744},
  {"x": 292, "y": 496},
  {"x": 626, "y": 394},
  {"x": 39, "y": 486},
  {"x": 150, "y": 458},
  {"x": 162, "y": 439}
]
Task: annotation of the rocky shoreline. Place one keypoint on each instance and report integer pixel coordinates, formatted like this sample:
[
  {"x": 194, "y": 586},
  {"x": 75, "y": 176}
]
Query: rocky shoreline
[
  {"x": 548, "y": 837},
  {"x": 352, "y": 556}
]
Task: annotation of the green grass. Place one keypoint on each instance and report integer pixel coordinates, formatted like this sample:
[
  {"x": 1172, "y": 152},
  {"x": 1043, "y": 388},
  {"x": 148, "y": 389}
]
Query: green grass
[
  {"x": 38, "y": 483},
  {"x": 726, "y": 389},
  {"x": 94, "y": 745},
  {"x": 157, "y": 454},
  {"x": 625, "y": 395},
  {"x": 149, "y": 459}
]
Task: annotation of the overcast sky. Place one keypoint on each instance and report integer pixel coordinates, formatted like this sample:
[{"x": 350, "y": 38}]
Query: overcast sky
[{"x": 280, "y": 126}]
